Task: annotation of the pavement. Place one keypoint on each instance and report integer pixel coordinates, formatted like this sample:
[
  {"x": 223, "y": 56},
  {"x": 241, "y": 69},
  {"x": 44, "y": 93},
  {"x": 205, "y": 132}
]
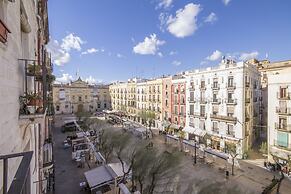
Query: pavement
[
  {"x": 67, "y": 175},
  {"x": 185, "y": 178}
]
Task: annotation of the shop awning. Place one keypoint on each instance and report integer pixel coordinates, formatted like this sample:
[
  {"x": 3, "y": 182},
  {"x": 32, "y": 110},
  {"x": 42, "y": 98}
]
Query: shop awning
[
  {"x": 199, "y": 132},
  {"x": 189, "y": 130}
]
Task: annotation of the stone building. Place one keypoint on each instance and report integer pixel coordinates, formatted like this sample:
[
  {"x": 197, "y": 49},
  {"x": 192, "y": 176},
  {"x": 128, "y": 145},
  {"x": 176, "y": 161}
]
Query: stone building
[
  {"x": 79, "y": 96},
  {"x": 25, "y": 91},
  {"x": 223, "y": 102},
  {"x": 277, "y": 109}
]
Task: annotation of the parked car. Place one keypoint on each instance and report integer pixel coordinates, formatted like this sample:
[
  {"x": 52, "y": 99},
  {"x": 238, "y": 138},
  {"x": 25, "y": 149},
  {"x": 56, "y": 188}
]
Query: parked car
[{"x": 69, "y": 127}]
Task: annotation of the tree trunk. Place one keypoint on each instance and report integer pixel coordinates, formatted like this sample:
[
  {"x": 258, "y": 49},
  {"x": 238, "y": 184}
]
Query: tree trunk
[
  {"x": 279, "y": 183},
  {"x": 232, "y": 167},
  {"x": 140, "y": 186}
]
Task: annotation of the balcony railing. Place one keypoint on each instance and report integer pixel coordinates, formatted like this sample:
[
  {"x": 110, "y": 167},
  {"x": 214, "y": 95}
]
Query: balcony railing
[
  {"x": 283, "y": 110},
  {"x": 215, "y": 130},
  {"x": 191, "y": 87},
  {"x": 231, "y": 101},
  {"x": 223, "y": 118},
  {"x": 247, "y": 84},
  {"x": 248, "y": 100},
  {"x": 19, "y": 182},
  {"x": 3, "y": 32},
  {"x": 283, "y": 127},
  {"x": 230, "y": 86},
  {"x": 203, "y": 101},
  {"x": 282, "y": 145},
  {"x": 191, "y": 100},
  {"x": 215, "y": 86},
  {"x": 202, "y": 87},
  {"x": 191, "y": 124},
  {"x": 216, "y": 101},
  {"x": 286, "y": 96}
]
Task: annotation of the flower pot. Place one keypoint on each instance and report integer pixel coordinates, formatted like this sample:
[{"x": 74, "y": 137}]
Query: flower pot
[
  {"x": 31, "y": 109},
  {"x": 35, "y": 102}
]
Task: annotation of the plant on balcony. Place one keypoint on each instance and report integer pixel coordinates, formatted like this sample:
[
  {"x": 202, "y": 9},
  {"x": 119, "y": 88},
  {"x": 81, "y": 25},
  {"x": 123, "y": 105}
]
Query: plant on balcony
[
  {"x": 34, "y": 99},
  {"x": 50, "y": 78},
  {"x": 33, "y": 69}
]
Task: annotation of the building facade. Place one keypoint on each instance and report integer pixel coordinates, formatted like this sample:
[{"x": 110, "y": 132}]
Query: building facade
[
  {"x": 178, "y": 101},
  {"x": 166, "y": 101},
  {"x": 25, "y": 91},
  {"x": 79, "y": 96},
  {"x": 278, "y": 110},
  {"x": 222, "y": 105}
]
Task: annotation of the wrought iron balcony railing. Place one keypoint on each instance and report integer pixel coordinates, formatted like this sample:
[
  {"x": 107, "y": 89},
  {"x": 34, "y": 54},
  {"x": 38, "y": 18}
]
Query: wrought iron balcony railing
[
  {"x": 19, "y": 181},
  {"x": 283, "y": 110},
  {"x": 283, "y": 127}
]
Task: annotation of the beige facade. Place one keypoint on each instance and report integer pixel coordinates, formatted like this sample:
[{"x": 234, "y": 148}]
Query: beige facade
[
  {"x": 277, "y": 109},
  {"x": 25, "y": 114},
  {"x": 79, "y": 96},
  {"x": 166, "y": 99}
]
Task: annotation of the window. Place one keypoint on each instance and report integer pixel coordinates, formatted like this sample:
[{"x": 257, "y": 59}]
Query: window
[
  {"x": 176, "y": 110},
  {"x": 202, "y": 110},
  {"x": 80, "y": 98},
  {"x": 215, "y": 97},
  {"x": 182, "y": 110},
  {"x": 58, "y": 108},
  {"x": 66, "y": 106},
  {"x": 230, "y": 130},
  {"x": 283, "y": 92},
  {"x": 85, "y": 96},
  {"x": 282, "y": 123},
  {"x": 105, "y": 105},
  {"x": 98, "y": 105},
  {"x": 229, "y": 97},
  {"x": 230, "y": 82},
  {"x": 215, "y": 126},
  {"x": 191, "y": 109},
  {"x": 3, "y": 28}
]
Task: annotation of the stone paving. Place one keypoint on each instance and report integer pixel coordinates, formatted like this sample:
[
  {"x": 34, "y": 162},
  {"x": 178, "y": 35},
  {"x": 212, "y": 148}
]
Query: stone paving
[{"x": 185, "y": 179}]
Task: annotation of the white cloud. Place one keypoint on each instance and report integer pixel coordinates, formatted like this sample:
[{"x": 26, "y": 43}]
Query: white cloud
[
  {"x": 211, "y": 18},
  {"x": 226, "y": 2},
  {"x": 214, "y": 56},
  {"x": 90, "y": 51},
  {"x": 247, "y": 56},
  {"x": 60, "y": 52},
  {"x": 149, "y": 46},
  {"x": 177, "y": 63},
  {"x": 164, "y": 3},
  {"x": 173, "y": 53},
  {"x": 59, "y": 56},
  {"x": 185, "y": 22},
  {"x": 71, "y": 42},
  {"x": 163, "y": 17},
  {"x": 120, "y": 55},
  {"x": 65, "y": 78},
  {"x": 160, "y": 54}
]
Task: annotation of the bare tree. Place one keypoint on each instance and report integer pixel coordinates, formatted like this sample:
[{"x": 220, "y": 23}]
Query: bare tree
[{"x": 231, "y": 149}]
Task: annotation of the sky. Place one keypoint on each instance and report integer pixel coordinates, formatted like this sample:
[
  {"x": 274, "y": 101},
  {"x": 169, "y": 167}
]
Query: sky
[{"x": 103, "y": 41}]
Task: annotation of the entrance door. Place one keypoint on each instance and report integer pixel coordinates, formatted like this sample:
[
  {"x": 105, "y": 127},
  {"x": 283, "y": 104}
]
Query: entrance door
[{"x": 80, "y": 108}]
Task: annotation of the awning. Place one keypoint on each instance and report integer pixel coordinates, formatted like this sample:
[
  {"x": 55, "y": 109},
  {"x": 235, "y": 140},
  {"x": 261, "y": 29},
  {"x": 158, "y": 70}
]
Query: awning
[
  {"x": 189, "y": 129},
  {"x": 199, "y": 132},
  {"x": 215, "y": 153},
  {"x": 174, "y": 126}
]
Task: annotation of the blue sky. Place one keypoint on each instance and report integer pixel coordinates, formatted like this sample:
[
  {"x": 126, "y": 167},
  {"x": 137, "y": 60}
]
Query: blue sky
[{"x": 108, "y": 40}]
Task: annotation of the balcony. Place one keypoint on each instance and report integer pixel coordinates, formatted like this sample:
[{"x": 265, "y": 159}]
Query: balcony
[
  {"x": 202, "y": 87},
  {"x": 283, "y": 110},
  {"x": 3, "y": 32},
  {"x": 247, "y": 100},
  {"x": 200, "y": 115},
  {"x": 20, "y": 182},
  {"x": 223, "y": 118},
  {"x": 191, "y": 100},
  {"x": 286, "y": 96},
  {"x": 231, "y": 101},
  {"x": 282, "y": 145},
  {"x": 216, "y": 101},
  {"x": 215, "y": 86},
  {"x": 203, "y": 101},
  {"x": 247, "y": 84},
  {"x": 191, "y": 124},
  {"x": 283, "y": 127},
  {"x": 191, "y": 88},
  {"x": 215, "y": 130},
  {"x": 231, "y": 86}
]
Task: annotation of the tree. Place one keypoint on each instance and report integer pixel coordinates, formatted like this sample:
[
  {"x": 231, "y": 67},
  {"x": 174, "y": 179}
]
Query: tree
[
  {"x": 182, "y": 136},
  {"x": 148, "y": 117},
  {"x": 161, "y": 165},
  {"x": 106, "y": 143},
  {"x": 231, "y": 149}
]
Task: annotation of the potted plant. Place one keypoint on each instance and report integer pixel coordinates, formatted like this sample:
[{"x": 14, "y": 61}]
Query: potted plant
[
  {"x": 50, "y": 78},
  {"x": 34, "y": 99},
  {"x": 33, "y": 69}
]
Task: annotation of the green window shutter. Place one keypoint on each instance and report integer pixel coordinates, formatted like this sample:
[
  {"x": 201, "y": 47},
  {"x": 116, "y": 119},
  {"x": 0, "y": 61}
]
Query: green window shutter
[{"x": 282, "y": 139}]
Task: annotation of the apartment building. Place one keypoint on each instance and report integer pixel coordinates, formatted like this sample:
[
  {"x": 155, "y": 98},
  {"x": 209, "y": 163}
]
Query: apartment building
[
  {"x": 118, "y": 93},
  {"x": 222, "y": 102},
  {"x": 25, "y": 91},
  {"x": 178, "y": 101},
  {"x": 79, "y": 96},
  {"x": 277, "y": 77},
  {"x": 131, "y": 98},
  {"x": 166, "y": 101},
  {"x": 101, "y": 97},
  {"x": 154, "y": 99}
]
